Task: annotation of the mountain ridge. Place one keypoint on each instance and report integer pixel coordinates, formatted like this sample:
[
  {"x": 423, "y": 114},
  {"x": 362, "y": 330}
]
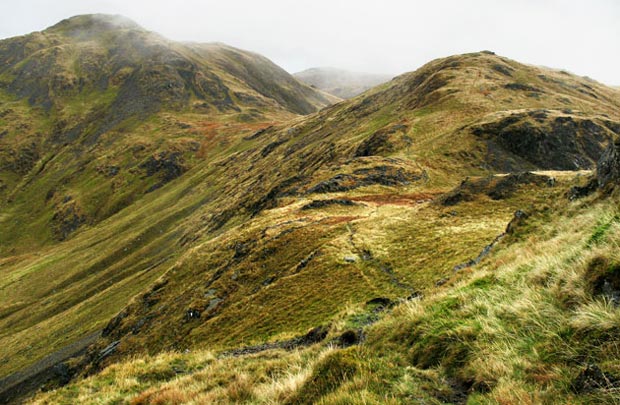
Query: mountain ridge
[
  {"x": 203, "y": 227},
  {"x": 353, "y": 166},
  {"x": 84, "y": 90}
]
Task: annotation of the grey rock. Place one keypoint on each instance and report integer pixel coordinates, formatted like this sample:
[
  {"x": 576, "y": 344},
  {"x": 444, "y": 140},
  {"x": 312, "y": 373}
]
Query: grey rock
[{"x": 608, "y": 166}]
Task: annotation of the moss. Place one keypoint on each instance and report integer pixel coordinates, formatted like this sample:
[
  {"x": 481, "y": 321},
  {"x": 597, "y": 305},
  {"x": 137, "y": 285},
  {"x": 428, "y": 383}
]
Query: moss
[{"x": 483, "y": 283}]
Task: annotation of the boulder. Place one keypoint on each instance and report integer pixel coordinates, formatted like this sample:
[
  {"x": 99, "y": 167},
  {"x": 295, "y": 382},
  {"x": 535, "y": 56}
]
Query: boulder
[{"x": 577, "y": 192}]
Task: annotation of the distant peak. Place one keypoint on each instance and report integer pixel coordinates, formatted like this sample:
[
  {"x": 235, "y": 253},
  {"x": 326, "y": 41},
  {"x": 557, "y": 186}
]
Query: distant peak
[
  {"x": 94, "y": 23},
  {"x": 335, "y": 70}
]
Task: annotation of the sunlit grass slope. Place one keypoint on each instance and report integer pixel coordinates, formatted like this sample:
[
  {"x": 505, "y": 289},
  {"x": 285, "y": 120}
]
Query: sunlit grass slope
[{"x": 524, "y": 326}]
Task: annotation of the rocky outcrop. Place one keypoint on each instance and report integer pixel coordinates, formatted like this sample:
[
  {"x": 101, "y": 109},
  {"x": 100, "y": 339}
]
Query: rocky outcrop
[
  {"x": 382, "y": 175},
  {"x": 315, "y": 335},
  {"x": 384, "y": 141},
  {"x": 543, "y": 139},
  {"x": 21, "y": 159},
  {"x": 608, "y": 167},
  {"x": 67, "y": 218},
  {"x": 592, "y": 378},
  {"x": 327, "y": 203},
  {"x": 603, "y": 277},
  {"x": 495, "y": 187},
  {"x": 165, "y": 165},
  {"x": 577, "y": 192}
]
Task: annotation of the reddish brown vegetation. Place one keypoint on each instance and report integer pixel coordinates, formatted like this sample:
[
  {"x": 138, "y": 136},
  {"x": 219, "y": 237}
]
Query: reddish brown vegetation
[{"x": 396, "y": 199}]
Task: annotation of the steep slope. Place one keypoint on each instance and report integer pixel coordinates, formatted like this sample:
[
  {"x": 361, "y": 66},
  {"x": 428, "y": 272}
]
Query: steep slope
[
  {"x": 339, "y": 82},
  {"x": 96, "y": 115},
  {"x": 87, "y": 99},
  {"x": 535, "y": 322},
  {"x": 266, "y": 78},
  {"x": 296, "y": 231},
  {"x": 272, "y": 231}
]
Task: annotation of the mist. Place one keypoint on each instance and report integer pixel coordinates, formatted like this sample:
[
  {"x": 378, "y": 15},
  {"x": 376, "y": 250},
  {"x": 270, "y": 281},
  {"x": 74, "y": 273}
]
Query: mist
[{"x": 388, "y": 37}]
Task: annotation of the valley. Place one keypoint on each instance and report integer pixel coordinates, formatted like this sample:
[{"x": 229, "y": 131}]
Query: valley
[{"x": 188, "y": 222}]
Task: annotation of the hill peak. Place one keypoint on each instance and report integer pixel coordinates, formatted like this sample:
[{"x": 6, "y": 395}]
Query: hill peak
[{"x": 94, "y": 23}]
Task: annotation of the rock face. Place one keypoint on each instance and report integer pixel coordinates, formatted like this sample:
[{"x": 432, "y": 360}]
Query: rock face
[
  {"x": 384, "y": 141},
  {"x": 608, "y": 167},
  {"x": 539, "y": 139}
]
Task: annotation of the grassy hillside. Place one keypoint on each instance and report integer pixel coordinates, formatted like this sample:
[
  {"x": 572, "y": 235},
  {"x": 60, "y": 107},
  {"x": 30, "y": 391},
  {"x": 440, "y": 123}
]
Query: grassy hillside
[
  {"x": 97, "y": 115},
  {"x": 96, "y": 112},
  {"x": 529, "y": 324},
  {"x": 294, "y": 268},
  {"x": 208, "y": 225}
]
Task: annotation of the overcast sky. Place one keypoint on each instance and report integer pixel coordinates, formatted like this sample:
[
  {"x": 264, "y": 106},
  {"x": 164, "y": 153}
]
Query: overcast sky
[{"x": 387, "y": 36}]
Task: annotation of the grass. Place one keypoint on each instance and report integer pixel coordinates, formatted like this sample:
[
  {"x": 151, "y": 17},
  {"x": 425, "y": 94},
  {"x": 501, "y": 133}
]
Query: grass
[
  {"x": 228, "y": 238},
  {"x": 601, "y": 230},
  {"x": 510, "y": 325},
  {"x": 519, "y": 328},
  {"x": 265, "y": 279}
]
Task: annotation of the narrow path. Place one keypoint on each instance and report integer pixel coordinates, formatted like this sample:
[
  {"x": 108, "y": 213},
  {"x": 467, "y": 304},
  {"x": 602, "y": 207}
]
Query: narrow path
[
  {"x": 385, "y": 267},
  {"x": 316, "y": 335},
  {"x": 15, "y": 387}
]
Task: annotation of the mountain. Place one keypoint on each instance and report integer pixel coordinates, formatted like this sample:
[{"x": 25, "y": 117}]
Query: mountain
[
  {"x": 74, "y": 94},
  {"x": 415, "y": 243},
  {"x": 98, "y": 113},
  {"x": 100, "y": 53},
  {"x": 295, "y": 236},
  {"x": 339, "y": 82}
]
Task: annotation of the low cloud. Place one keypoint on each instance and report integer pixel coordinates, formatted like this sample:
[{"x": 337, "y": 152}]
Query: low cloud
[{"x": 378, "y": 37}]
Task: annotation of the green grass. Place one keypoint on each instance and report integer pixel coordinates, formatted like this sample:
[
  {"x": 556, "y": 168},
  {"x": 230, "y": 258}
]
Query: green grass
[
  {"x": 518, "y": 328},
  {"x": 201, "y": 237},
  {"x": 601, "y": 230}
]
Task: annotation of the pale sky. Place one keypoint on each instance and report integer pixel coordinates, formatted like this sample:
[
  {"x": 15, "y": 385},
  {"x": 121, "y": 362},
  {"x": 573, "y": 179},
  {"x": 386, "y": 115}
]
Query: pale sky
[{"x": 387, "y": 36}]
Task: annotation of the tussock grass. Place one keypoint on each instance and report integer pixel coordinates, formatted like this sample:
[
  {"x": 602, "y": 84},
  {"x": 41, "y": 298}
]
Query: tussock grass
[
  {"x": 229, "y": 239},
  {"x": 519, "y": 328},
  {"x": 524, "y": 324}
]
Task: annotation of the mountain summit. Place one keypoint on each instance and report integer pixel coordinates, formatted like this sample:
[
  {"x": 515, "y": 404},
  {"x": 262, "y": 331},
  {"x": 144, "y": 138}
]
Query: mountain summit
[
  {"x": 92, "y": 24},
  {"x": 143, "y": 71}
]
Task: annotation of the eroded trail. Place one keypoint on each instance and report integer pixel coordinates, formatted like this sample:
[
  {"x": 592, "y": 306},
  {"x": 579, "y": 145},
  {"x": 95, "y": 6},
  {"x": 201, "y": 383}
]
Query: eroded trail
[{"x": 17, "y": 386}]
